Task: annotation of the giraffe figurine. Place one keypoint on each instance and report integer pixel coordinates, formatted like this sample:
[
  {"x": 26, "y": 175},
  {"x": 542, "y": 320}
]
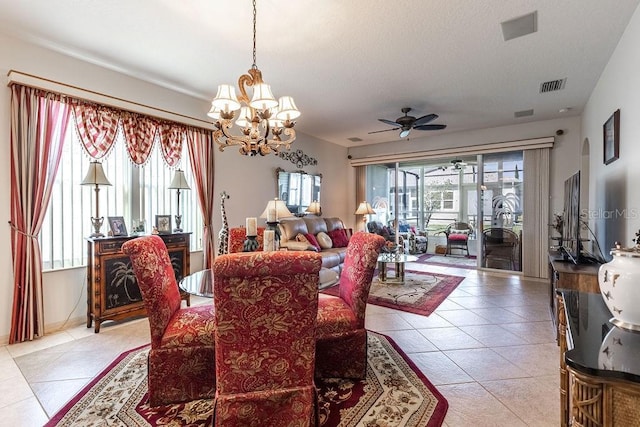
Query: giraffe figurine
[{"x": 223, "y": 234}]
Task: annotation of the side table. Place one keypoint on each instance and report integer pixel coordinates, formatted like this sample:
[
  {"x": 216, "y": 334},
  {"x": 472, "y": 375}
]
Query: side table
[{"x": 399, "y": 260}]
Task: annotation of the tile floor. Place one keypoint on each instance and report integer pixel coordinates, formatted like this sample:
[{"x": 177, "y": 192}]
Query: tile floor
[{"x": 489, "y": 348}]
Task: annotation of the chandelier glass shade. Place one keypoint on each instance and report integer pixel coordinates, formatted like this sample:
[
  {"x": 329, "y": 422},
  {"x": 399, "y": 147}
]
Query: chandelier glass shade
[{"x": 266, "y": 124}]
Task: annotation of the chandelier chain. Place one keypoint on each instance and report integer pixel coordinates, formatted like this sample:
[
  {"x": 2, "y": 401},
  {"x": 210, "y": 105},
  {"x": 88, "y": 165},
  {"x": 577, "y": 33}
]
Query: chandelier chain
[{"x": 254, "y": 66}]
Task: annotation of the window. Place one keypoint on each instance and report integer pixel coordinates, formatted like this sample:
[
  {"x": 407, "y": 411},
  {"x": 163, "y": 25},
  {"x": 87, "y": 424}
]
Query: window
[{"x": 136, "y": 193}]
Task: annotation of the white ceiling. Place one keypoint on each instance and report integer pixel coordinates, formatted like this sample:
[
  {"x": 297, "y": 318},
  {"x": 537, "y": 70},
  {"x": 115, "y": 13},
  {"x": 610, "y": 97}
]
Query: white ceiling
[{"x": 347, "y": 63}]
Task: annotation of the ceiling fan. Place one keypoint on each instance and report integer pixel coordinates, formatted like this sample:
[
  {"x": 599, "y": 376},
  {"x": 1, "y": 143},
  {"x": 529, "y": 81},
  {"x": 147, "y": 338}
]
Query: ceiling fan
[
  {"x": 406, "y": 123},
  {"x": 457, "y": 164}
]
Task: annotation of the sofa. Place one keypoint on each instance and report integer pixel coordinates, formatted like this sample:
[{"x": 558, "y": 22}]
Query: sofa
[{"x": 295, "y": 234}]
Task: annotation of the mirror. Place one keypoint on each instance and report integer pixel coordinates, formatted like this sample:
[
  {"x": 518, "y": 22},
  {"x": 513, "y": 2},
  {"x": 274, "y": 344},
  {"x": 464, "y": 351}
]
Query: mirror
[{"x": 298, "y": 189}]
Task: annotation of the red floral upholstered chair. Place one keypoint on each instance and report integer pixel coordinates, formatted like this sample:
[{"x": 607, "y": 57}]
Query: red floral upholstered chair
[
  {"x": 182, "y": 352},
  {"x": 265, "y": 309},
  {"x": 341, "y": 349},
  {"x": 237, "y": 236}
]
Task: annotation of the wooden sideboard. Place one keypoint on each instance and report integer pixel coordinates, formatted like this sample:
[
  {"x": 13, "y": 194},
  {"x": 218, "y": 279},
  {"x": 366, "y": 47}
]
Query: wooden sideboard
[
  {"x": 112, "y": 290},
  {"x": 567, "y": 275},
  {"x": 599, "y": 364}
]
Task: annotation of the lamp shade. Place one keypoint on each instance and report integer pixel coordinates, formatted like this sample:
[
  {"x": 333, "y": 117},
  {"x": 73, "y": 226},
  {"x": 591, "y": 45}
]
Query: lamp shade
[
  {"x": 245, "y": 117},
  {"x": 277, "y": 206},
  {"x": 364, "y": 209},
  {"x": 314, "y": 208},
  {"x": 214, "y": 112},
  {"x": 226, "y": 99},
  {"x": 287, "y": 109},
  {"x": 95, "y": 175},
  {"x": 262, "y": 97},
  {"x": 179, "y": 181}
]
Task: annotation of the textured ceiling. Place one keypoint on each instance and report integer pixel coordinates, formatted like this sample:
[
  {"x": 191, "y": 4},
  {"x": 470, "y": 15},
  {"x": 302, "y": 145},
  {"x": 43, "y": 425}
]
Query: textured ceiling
[{"x": 347, "y": 63}]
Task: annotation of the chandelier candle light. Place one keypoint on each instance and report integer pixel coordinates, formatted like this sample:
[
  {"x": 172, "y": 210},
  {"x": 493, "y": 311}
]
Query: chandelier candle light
[
  {"x": 178, "y": 183},
  {"x": 95, "y": 176},
  {"x": 259, "y": 118}
]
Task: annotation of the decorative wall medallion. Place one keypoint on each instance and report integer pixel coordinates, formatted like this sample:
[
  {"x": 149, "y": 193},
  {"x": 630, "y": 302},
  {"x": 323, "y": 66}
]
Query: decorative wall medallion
[{"x": 298, "y": 158}]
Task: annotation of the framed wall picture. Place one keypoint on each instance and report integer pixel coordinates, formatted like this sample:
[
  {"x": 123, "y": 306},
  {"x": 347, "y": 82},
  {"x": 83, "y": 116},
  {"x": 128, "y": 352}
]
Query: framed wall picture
[
  {"x": 611, "y": 132},
  {"x": 117, "y": 226},
  {"x": 163, "y": 224}
]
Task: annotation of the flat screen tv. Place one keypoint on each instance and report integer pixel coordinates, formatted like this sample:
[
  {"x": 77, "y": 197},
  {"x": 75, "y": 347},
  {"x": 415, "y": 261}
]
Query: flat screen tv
[{"x": 571, "y": 245}]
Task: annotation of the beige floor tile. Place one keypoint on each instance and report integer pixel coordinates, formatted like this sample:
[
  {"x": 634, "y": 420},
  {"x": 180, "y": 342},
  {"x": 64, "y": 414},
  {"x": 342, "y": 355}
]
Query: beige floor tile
[
  {"x": 471, "y": 405},
  {"x": 422, "y": 322},
  {"x": 472, "y": 301},
  {"x": 439, "y": 369},
  {"x": 533, "y": 332},
  {"x": 485, "y": 364},
  {"x": 448, "y": 305},
  {"x": 450, "y": 338},
  {"x": 411, "y": 341},
  {"x": 13, "y": 390},
  {"x": 498, "y": 316},
  {"x": 491, "y": 336},
  {"x": 25, "y": 413},
  {"x": 53, "y": 395},
  {"x": 386, "y": 322},
  {"x": 17, "y": 350},
  {"x": 463, "y": 318},
  {"x": 532, "y": 313},
  {"x": 534, "y": 401},
  {"x": 534, "y": 359}
]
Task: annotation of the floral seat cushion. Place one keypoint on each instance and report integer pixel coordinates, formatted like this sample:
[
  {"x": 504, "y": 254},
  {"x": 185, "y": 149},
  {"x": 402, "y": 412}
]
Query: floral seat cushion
[
  {"x": 334, "y": 316},
  {"x": 189, "y": 327}
]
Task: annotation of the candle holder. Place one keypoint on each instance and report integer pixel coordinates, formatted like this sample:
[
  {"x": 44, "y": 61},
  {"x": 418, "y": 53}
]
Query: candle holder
[
  {"x": 250, "y": 244},
  {"x": 276, "y": 231}
]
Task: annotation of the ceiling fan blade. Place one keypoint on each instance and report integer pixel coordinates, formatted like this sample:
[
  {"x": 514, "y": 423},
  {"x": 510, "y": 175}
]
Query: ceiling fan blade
[
  {"x": 425, "y": 119},
  {"x": 430, "y": 127},
  {"x": 389, "y": 122},
  {"x": 378, "y": 131}
]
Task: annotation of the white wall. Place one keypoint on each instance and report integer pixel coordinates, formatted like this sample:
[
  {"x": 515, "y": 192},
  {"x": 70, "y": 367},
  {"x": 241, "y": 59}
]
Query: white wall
[
  {"x": 614, "y": 196},
  {"x": 249, "y": 181}
]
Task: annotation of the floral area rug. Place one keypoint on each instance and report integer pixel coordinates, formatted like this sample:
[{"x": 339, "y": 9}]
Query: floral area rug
[
  {"x": 395, "y": 393},
  {"x": 421, "y": 292},
  {"x": 459, "y": 261}
]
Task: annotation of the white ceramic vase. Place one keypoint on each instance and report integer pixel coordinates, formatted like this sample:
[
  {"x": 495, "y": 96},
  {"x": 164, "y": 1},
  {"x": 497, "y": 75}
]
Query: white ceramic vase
[{"x": 619, "y": 282}]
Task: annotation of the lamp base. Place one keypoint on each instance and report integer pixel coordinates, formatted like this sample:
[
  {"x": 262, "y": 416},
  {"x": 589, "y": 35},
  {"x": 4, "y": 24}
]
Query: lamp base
[
  {"x": 97, "y": 225},
  {"x": 178, "y": 229}
]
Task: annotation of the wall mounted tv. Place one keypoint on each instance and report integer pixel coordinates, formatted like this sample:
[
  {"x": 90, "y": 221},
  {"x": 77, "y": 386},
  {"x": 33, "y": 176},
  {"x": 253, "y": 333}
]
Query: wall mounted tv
[{"x": 571, "y": 244}]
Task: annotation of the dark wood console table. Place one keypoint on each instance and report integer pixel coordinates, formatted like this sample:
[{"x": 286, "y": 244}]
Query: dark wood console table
[
  {"x": 567, "y": 275},
  {"x": 599, "y": 364},
  {"x": 112, "y": 290}
]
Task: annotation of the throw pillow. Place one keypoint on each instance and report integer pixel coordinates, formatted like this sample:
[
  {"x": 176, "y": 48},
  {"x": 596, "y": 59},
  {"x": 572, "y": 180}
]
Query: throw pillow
[
  {"x": 301, "y": 246},
  {"x": 312, "y": 240},
  {"x": 302, "y": 238},
  {"x": 324, "y": 240},
  {"x": 339, "y": 238},
  {"x": 465, "y": 231}
]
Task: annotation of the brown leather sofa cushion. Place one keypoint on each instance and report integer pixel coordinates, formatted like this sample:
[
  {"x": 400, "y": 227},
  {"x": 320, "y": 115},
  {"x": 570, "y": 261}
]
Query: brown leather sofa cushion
[
  {"x": 291, "y": 227},
  {"x": 315, "y": 225}
]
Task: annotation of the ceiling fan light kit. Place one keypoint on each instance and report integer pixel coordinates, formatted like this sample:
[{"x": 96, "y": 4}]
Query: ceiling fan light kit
[{"x": 407, "y": 123}]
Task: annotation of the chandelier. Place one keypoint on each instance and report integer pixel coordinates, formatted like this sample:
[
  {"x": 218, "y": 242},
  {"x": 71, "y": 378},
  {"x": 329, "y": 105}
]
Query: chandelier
[{"x": 266, "y": 123}]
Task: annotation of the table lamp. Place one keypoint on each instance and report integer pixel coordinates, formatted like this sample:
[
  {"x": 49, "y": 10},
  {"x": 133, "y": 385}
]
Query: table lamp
[
  {"x": 364, "y": 209},
  {"x": 275, "y": 210},
  {"x": 314, "y": 208},
  {"x": 95, "y": 176},
  {"x": 178, "y": 183}
]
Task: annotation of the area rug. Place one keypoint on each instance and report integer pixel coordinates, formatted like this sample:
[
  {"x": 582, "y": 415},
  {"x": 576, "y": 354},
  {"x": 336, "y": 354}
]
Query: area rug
[
  {"x": 449, "y": 261},
  {"x": 421, "y": 292},
  {"x": 395, "y": 393}
]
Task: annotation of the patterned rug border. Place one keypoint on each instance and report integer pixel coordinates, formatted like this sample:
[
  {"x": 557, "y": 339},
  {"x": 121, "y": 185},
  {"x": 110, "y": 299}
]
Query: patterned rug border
[
  {"x": 424, "y": 259},
  {"x": 436, "y": 412},
  {"x": 438, "y": 294}
]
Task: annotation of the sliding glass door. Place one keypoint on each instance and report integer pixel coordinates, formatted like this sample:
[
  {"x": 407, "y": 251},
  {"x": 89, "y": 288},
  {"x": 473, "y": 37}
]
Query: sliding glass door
[{"x": 482, "y": 192}]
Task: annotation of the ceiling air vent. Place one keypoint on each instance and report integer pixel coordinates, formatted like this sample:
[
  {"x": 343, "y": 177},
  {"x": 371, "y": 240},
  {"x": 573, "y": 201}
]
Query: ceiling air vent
[
  {"x": 523, "y": 113},
  {"x": 552, "y": 85},
  {"x": 354, "y": 139}
]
